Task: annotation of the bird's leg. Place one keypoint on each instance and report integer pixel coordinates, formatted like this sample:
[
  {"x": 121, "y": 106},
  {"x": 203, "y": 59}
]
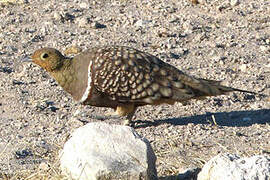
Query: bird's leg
[
  {"x": 128, "y": 121},
  {"x": 113, "y": 114},
  {"x": 125, "y": 110},
  {"x": 122, "y": 110}
]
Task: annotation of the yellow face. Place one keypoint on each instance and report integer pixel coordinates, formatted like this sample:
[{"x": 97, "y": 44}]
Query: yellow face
[{"x": 48, "y": 58}]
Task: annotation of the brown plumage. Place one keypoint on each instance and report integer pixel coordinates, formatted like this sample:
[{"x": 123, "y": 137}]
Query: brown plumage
[{"x": 124, "y": 78}]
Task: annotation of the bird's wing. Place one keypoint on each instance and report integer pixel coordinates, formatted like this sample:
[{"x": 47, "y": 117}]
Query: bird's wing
[{"x": 128, "y": 75}]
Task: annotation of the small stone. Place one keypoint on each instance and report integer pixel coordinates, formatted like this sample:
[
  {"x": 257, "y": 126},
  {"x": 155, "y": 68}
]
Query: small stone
[
  {"x": 73, "y": 50},
  {"x": 57, "y": 16},
  {"x": 163, "y": 32},
  {"x": 187, "y": 27},
  {"x": 82, "y": 22},
  {"x": 234, "y": 2},
  {"x": 243, "y": 67},
  {"x": 142, "y": 23},
  {"x": 83, "y": 5},
  {"x": 44, "y": 166},
  {"x": 221, "y": 62},
  {"x": 77, "y": 112},
  {"x": 263, "y": 48}
]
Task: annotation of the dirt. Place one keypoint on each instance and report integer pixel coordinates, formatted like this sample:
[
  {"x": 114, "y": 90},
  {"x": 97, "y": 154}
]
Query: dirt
[{"x": 218, "y": 39}]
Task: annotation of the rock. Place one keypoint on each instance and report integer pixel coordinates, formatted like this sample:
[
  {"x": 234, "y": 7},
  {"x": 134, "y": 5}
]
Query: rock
[
  {"x": 73, "y": 50},
  {"x": 84, "y": 5},
  {"x": 230, "y": 166},
  {"x": 142, "y": 23},
  {"x": 57, "y": 16},
  {"x": 103, "y": 151},
  {"x": 243, "y": 67},
  {"x": 263, "y": 48},
  {"x": 82, "y": 22},
  {"x": 44, "y": 166},
  {"x": 234, "y": 2},
  {"x": 187, "y": 26}
]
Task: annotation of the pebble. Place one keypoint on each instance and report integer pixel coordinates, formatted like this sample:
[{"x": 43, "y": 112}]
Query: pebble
[
  {"x": 83, "y": 5},
  {"x": 142, "y": 23},
  {"x": 234, "y": 2},
  {"x": 263, "y": 48},
  {"x": 82, "y": 22},
  {"x": 57, "y": 16},
  {"x": 243, "y": 67},
  {"x": 73, "y": 50},
  {"x": 77, "y": 112},
  {"x": 44, "y": 166}
]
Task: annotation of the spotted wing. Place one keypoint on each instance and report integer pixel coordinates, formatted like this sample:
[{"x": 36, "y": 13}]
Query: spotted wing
[{"x": 128, "y": 75}]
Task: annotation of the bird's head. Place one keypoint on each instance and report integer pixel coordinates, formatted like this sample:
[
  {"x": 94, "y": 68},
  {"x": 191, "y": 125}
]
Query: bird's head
[{"x": 48, "y": 58}]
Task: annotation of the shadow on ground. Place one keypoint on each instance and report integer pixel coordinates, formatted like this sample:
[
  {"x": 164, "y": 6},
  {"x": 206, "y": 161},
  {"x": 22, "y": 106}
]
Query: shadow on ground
[{"x": 230, "y": 119}]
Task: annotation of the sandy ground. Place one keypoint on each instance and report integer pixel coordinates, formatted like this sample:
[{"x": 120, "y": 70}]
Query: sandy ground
[{"x": 214, "y": 39}]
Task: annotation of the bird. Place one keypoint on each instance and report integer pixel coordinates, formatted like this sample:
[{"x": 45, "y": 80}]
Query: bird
[{"x": 124, "y": 78}]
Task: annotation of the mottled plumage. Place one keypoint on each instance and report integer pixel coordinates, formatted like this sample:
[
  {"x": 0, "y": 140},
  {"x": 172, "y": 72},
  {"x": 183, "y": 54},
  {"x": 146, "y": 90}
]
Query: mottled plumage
[{"x": 123, "y": 78}]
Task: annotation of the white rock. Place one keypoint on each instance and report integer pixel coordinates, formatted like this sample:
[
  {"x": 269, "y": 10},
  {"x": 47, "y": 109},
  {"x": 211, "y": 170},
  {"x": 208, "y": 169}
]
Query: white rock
[
  {"x": 243, "y": 67},
  {"x": 230, "y": 167},
  {"x": 234, "y": 2},
  {"x": 82, "y": 22},
  {"x": 57, "y": 16},
  {"x": 103, "y": 151},
  {"x": 263, "y": 48},
  {"x": 44, "y": 166},
  {"x": 142, "y": 23},
  {"x": 84, "y": 5}
]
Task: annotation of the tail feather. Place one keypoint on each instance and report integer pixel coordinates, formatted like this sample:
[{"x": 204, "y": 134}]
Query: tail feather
[
  {"x": 198, "y": 88},
  {"x": 205, "y": 87},
  {"x": 217, "y": 89}
]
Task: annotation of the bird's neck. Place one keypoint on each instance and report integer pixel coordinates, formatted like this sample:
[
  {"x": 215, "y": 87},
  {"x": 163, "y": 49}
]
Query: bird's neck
[{"x": 65, "y": 74}]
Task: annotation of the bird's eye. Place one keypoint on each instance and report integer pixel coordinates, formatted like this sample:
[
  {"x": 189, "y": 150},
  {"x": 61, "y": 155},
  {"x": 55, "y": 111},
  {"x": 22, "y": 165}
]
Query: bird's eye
[{"x": 44, "y": 56}]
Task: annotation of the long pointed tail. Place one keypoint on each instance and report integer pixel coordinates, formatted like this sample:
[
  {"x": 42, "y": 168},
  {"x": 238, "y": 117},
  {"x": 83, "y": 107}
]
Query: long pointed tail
[{"x": 215, "y": 88}]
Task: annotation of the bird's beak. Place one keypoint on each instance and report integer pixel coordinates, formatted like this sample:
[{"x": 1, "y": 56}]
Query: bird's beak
[{"x": 27, "y": 59}]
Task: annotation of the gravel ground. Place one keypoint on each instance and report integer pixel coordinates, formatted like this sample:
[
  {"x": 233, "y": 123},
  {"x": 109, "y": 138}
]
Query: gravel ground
[{"x": 216, "y": 39}]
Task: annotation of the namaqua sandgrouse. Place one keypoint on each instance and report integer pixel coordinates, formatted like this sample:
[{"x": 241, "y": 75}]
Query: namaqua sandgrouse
[{"x": 123, "y": 78}]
